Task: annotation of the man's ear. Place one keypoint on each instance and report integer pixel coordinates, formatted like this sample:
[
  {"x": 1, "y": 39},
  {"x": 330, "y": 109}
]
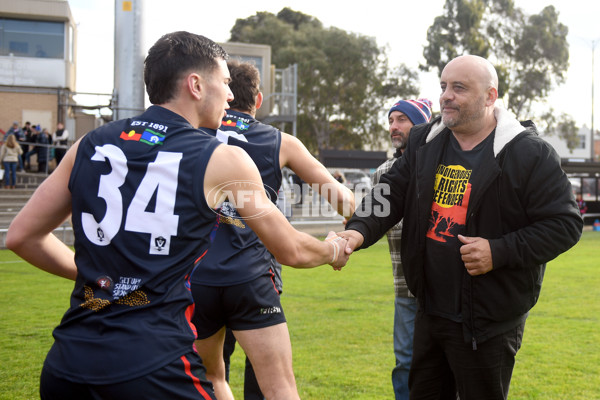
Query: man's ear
[
  {"x": 492, "y": 96},
  {"x": 259, "y": 100},
  {"x": 193, "y": 84}
]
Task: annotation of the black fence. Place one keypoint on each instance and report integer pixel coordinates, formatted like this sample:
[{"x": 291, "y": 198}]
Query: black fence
[
  {"x": 352, "y": 158},
  {"x": 585, "y": 179}
]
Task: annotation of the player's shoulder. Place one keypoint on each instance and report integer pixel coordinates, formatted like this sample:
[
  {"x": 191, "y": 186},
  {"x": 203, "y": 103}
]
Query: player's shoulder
[
  {"x": 291, "y": 141},
  {"x": 230, "y": 157}
]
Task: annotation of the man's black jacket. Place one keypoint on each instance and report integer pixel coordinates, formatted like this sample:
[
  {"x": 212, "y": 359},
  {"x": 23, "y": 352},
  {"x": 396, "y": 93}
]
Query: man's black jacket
[{"x": 522, "y": 202}]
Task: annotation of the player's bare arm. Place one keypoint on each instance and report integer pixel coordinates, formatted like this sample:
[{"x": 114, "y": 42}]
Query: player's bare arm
[
  {"x": 30, "y": 233},
  {"x": 294, "y": 155},
  {"x": 231, "y": 173}
]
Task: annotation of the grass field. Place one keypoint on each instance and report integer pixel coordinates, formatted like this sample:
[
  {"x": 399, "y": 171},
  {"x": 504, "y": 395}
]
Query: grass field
[{"x": 341, "y": 328}]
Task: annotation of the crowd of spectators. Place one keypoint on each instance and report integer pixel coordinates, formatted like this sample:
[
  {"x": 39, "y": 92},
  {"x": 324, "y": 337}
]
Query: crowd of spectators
[{"x": 31, "y": 140}]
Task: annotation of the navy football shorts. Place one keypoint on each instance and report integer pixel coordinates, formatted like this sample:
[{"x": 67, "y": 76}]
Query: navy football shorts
[
  {"x": 184, "y": 378},
  {"x": 251, "y": 305}
]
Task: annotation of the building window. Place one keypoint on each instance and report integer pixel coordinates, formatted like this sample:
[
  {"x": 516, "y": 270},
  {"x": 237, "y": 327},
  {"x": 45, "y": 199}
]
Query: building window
[
  {"x": 26, "y": 38},
  {"x": 582, "y": 142},
  {"x": 590, "y": 188},
  {"x": 71, "y": 45}
]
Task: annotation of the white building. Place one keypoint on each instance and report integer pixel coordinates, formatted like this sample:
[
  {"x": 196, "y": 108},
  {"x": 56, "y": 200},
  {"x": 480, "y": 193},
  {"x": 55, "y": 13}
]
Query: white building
[
  {"x": 582, "y": 151},
  {"x": 37, "y": 62}
]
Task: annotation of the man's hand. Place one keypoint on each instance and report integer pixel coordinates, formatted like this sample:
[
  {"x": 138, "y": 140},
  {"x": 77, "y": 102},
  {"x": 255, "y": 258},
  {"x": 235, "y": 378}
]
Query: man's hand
[
  {"x": 476, "y": 254},
  {"x": 340, "y": 258},
  {"x": 354, "y": 239}
]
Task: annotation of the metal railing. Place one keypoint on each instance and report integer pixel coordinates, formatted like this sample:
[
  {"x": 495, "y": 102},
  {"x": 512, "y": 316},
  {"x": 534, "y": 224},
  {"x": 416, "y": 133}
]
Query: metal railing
[
  {"x": 63, "y": 232},
  {"x": 34, "y": 148}
]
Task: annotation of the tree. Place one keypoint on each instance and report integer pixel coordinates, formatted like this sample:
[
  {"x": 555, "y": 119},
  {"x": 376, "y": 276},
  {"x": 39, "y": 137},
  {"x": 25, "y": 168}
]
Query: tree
[
  {"x": 530, "y": 53},
  {"x": 562, "y": 125},
  {"x": 343, "y": 78}
]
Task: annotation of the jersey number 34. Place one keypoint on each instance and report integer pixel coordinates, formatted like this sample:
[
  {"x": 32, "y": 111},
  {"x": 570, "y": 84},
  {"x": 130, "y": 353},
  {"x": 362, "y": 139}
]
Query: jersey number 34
[{"x": 160, "y": 177}]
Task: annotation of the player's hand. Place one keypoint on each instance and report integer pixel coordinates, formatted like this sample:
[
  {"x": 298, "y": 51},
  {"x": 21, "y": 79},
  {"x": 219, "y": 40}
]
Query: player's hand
[
  {"x": 354, "y": 239},
  {"x": 476, "y": 254},
  {"x": 340, "y": 258}
]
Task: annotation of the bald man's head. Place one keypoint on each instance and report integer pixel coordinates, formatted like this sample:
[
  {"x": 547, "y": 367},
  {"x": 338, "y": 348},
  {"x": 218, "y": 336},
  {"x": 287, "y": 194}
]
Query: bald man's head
[
  {"x": 469, "y": 92},
  {"x": 479, "y": 67}
]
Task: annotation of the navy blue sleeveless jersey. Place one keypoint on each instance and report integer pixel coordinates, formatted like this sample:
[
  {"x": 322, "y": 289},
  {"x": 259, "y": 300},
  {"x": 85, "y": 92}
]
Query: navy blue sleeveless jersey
[
  {"x": 141, "y": 221},
  {"x": 237, "y": 255}
]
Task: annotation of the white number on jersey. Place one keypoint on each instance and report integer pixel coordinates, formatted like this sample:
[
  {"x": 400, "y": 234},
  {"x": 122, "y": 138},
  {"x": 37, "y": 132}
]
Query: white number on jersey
[{"x": 161, "y": 177}]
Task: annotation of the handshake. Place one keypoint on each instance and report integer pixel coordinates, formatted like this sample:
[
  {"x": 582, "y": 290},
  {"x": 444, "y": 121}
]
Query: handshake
[{"x": 343, "y": 244}]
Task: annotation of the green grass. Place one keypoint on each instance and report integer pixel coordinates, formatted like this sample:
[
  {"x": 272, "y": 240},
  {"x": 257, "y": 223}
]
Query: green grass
[
  {"x": 341, "y": 328},
  {"x": 31, "y": 303}
]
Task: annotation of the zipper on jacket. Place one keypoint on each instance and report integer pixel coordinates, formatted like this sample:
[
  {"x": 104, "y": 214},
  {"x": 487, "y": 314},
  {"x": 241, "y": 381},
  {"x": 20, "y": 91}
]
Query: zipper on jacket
[{"x": 473, "y": 339}]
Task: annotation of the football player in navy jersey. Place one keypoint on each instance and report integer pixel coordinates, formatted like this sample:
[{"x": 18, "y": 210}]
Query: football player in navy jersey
[
  {"x": 142, "y": 194},
  {"x": 234, "y": 286}
]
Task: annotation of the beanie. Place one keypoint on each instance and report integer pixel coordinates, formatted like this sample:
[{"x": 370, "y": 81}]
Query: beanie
[{"x": 418, "y": 111}]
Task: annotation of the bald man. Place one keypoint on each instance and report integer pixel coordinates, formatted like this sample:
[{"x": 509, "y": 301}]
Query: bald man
[{"x": 485, "y": 205}]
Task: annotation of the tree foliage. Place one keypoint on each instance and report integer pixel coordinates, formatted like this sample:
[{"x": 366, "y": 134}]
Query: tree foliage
[
  {"x": 563, "y": 126},
  {"x": 343, "y": 78},
  {"x": 530, "y": 53}
]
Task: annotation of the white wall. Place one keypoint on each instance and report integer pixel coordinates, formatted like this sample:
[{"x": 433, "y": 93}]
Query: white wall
[
  {"x": 30, "y": 71},
  {"x": 563, "y": 151}
]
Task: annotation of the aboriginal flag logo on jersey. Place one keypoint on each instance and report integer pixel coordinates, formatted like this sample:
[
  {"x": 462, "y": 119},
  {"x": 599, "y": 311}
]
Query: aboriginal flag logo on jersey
[
  {"x": 148, "y": 136},
  {"x": 452, "y": 191},
  {"x": 242, "y": 126}
]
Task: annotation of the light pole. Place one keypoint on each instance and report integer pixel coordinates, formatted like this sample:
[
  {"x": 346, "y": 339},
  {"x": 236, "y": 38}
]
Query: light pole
[
  {"x": 592, "y": 128},
  {"x": 592, "y": 147}
]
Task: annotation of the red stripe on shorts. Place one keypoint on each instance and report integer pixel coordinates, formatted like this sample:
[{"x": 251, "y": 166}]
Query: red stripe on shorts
[{"x": 188, "y": 371}]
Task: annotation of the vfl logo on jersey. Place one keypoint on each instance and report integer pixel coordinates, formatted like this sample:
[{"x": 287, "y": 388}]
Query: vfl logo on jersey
[
  {"x": 159, "y": 243},
  {"x": 236, "y": 124},
  {"x": 100, "y": 234},
  {"x": 148, "y": 136}
]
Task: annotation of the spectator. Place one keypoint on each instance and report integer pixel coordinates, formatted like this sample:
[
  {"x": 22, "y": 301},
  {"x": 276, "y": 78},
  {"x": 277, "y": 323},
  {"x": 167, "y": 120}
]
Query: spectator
[
  {"x": 43, "y": 151},
  {"x": 581, "y": 204},
  {"x": 60, "y": 138},
  {"x": 14, "y": 130},
  {"x": 486, "y": 205},
  {"x": 9, "y": 156},
  {"x": 18, "y": 132},
  {"x": 27, "y": 134},
  {"x": 403, "y": 115},
  {"x": 32, "y": 149}
]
